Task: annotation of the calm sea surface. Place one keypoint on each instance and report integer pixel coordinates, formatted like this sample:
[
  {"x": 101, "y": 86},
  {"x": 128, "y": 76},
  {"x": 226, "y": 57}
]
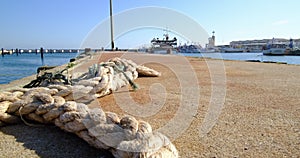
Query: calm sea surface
[
  {"x": 13, "y": 67},
  {"x": 248, "y": 56}
]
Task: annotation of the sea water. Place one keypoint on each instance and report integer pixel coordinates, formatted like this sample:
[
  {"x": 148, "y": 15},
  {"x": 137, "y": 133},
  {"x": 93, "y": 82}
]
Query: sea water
[
  {"x": 13, "y": 67},
  {"x": 247, "y": 56}
]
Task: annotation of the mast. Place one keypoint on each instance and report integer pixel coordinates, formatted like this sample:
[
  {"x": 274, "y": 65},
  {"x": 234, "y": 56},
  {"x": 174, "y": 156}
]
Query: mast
[{"x": 111, "y": 27}]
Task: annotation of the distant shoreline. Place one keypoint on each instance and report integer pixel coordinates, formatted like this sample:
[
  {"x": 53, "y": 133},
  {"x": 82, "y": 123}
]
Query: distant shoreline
[
  {"x": 261, "y": 107},
  {"x": 206, "y": 56}
]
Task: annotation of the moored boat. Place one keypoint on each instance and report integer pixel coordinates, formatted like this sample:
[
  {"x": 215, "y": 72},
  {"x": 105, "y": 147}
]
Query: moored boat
[
  {"x": 275, "y": 51},
  {"x": 163, "y": 46},
  {"x": 294, "y": 52},
  {"x": 276, "y": 48},
  {"x": 189, "y": 49}
]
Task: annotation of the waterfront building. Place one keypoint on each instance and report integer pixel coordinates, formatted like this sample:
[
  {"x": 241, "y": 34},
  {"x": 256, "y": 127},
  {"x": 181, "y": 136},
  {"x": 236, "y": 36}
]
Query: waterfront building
[{"x": 258, "y": 45}]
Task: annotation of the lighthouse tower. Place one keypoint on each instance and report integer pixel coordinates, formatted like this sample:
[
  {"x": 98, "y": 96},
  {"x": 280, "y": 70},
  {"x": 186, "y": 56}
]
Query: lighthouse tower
[{"x": 211, "y": 40}]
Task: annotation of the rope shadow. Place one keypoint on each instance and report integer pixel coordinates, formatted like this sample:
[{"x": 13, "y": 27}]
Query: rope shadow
[{"x": 48, "y": 141}]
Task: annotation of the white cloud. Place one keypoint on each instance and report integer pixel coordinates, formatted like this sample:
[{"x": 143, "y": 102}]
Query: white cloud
[{"x": 280, "y": 22}]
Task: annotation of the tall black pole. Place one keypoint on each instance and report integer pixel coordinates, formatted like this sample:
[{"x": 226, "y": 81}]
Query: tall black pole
[
  {"x": 111, "y": 27},
  {"x": 2, "y": 51},
  {"x": 17, "y": 51},
  {"x": 42, "y": 55}
]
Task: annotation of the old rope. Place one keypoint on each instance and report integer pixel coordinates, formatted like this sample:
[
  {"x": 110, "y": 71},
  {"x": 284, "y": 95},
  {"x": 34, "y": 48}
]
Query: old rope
[{"x": 65, "y": 106}]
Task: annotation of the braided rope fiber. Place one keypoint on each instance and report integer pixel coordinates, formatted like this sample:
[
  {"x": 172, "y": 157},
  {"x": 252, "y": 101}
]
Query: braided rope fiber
[{"x": 66, "y": 106}]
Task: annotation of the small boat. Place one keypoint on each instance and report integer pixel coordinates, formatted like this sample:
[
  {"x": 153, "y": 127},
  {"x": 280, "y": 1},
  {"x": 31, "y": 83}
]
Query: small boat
[
  {"x": 189, "y": 49},
  {"x": 293, "y": 51},
  {"x": 275, "y": 51},
  {"x": 275, "y": 48}
]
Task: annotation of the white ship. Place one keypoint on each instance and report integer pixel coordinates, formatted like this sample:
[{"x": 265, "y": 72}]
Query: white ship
[
  {"x": 276, "y": 48},
  {"x": 163, "y": 46}
]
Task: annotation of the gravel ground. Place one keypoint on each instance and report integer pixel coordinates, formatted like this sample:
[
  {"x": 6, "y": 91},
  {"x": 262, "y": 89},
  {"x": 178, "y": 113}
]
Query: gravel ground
[{"x": 259, "y": 117}]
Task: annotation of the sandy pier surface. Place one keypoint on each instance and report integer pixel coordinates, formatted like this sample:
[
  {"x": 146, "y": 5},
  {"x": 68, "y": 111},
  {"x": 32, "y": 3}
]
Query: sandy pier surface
[{"x": 207, "y": 107}]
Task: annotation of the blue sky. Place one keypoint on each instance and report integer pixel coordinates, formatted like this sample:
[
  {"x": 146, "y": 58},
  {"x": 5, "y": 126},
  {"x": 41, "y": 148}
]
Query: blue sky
[{"x": 66, "y": 23}]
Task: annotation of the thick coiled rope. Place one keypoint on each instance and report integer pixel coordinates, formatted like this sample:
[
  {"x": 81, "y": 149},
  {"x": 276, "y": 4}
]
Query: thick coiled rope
[{"x": 66, "y": 106}]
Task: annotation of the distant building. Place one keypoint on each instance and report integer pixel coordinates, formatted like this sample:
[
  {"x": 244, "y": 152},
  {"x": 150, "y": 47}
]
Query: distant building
[{"x": 258, "y": 45}]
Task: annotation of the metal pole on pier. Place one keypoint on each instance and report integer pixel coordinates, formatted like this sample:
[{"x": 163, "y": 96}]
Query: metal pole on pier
[
  {"x": 111, "y": 27},
  {"x": 42, "y": 55},
  {"x": 17, "y": 51},
  {"x": 2, "y": 52}
]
